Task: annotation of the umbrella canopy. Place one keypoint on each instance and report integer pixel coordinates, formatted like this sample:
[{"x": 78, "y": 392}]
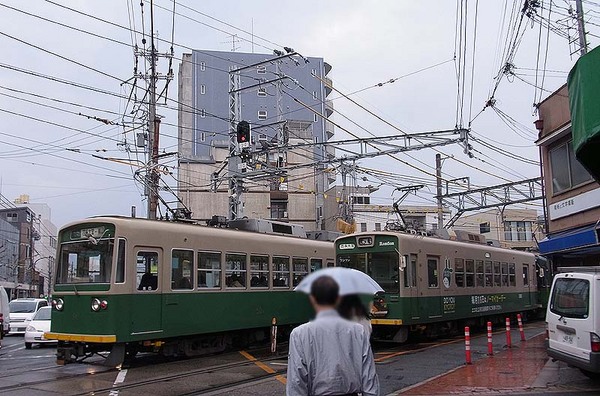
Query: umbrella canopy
[{"x": 350, "y": 281}]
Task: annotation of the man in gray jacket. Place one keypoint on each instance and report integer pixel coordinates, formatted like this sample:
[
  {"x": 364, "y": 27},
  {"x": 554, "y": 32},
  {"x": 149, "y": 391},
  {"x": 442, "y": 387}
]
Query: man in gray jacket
[{"x": 330, "y": 355}]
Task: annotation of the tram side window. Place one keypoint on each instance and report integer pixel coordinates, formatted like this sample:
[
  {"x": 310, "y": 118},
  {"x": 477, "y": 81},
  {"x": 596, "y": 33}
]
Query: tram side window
[
  {"x": 459, "y": 272},
  {"x": 479, "y": 273},
  {"x": 182, "y": 268},
  {"x": 410, "y": 272},
  {"x": 504, "y": 274},
  {"x": 488, "y": 273},
  {"x": 525, "y": 274},
  {"x": 300, "y": 268},
  {"x": 259, "y": 271},
  {"x": 470, "y": 273},
  {"x": 235, "y": 270},
  {"x": 120, "y": 276},
  {"x": 209, "y": 270},
  {"x": 315, "y": 264},
  {"x": 511, "y": 274},
  {"x": 147, "y": 271},
  {"x": 432, "y": 272},
  {"x": 281, "y": 271},
  {"x": 496, "y": 273}
]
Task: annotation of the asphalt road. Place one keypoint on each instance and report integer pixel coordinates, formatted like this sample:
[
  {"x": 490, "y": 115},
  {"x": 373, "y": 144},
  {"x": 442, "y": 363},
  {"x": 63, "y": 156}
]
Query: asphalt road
[{"x": 34, "y": 371}]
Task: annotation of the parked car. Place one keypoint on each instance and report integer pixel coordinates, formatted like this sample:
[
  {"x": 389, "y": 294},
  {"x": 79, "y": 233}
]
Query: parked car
[
  {"x": 4, "y": 313},
  {"x": 21, "y": 312},
  {"x": 573, "y": 319},
  {"x": 34, "y": 334}
]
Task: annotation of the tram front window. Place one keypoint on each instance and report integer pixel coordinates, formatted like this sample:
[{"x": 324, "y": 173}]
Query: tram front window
[
  {"x": 383, "y": 267},
  {"x": 85, "y": 261}
]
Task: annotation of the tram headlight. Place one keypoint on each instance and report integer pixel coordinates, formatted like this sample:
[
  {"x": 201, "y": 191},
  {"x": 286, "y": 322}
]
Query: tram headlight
[
  {"x": 58, "y": 304},
  {"x": 96, "y": 304}
]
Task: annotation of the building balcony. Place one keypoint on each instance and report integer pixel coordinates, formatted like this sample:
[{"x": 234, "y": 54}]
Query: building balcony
[
  {"x": 328, "y": 108},
  {"x": 328, "y": 86},
  {"x": 329, "y": 129},
  {"x": 327, "y": 67}
]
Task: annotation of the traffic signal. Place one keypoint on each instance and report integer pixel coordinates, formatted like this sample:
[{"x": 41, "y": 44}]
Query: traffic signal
[{"x": 243, "y": 132}]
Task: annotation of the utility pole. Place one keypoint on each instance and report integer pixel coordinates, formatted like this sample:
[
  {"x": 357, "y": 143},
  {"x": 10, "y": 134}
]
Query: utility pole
[
  {"x": 153, "y": 128},
  {"x": 581, "y": 27},
  {"x": 438, "y": 180}
]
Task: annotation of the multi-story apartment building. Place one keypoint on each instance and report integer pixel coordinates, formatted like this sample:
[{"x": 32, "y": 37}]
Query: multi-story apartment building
[
  {"x": 512, "y": 228},
  {"x": 27, "y": 262},
  {"x": 572, "y": 196},
  {"x": 280, "y": 115}
]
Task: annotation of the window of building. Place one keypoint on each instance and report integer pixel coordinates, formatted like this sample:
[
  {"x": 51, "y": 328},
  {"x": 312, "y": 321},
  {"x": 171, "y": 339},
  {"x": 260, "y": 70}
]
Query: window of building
[
  {"x": 484, "y": 227},
  {"x": 261, "y": 92},
  {"x": 202, "y": 113},
  {"x": 262, "y": 114},
  {"x": 203, "y": 136},
  {"x": 279, "y": 209},
  {"x": 202, "y": 89},
  {"x": 12, "y": 217},
  {"x": 313, "y": 72},
  {"x": 315, "y": 117},
  {"x": 566, "y": 171},
  {"x": 363, "y": 227},
  {"x": 518, "y": 231},
  {"x": 261, "y": 69},
  {"x": 315, "y": 95},
  {"x": 377, "y": 226},
  {"x": 361, "y": 200},
  {"x": 202, "y": 66}
]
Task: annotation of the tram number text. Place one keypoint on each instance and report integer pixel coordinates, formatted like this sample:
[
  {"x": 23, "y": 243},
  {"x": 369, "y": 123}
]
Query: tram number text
[{"x": 449, "y": 304}]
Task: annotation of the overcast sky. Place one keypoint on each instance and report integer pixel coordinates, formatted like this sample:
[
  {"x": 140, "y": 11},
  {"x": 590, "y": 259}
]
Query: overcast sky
[{"x": 366, "y": 42}]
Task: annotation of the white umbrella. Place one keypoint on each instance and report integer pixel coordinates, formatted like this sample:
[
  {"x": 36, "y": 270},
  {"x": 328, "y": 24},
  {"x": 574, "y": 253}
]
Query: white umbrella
[{"x": 350, "y": 281}]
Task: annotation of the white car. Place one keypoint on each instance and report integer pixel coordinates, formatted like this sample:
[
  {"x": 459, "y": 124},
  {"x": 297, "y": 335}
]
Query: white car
[
  {"x": 34, "y": 334},
  {"x": 21, "y": 312}
]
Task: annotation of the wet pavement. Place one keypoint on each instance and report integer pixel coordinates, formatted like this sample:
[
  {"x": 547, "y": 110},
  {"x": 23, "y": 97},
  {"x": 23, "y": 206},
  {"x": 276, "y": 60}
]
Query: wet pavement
[{"x": 523, "y": 369}]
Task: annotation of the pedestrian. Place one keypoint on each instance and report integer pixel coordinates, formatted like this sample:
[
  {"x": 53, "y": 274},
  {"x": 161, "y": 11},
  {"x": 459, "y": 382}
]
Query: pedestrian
[
  {"x": 351, "y": 308},
  {"x": 330, "y": 355}
]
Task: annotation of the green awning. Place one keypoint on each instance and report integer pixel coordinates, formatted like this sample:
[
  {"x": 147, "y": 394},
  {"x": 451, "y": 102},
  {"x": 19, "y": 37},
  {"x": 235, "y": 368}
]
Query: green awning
[{"x": 584, "y": 103}]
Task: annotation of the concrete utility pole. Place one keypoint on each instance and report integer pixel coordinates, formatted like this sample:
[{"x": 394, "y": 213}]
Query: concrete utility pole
[
  {"x": 581, "y": 27},
  {"x": 438, "y": 181},
  {"x": 153, "y": 128}
]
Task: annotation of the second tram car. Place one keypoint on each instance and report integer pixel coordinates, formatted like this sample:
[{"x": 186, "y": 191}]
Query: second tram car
[
  {"x": 126, "y": 285},
  {"x": 432, "y": 284}
]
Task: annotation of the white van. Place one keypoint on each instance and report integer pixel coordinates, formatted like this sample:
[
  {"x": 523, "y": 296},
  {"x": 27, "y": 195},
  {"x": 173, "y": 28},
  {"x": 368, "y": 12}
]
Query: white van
[
  {"x": 21, "y": 312},
  {"x": 4, "y": 313},
  {"x": 573, "y": 318}
]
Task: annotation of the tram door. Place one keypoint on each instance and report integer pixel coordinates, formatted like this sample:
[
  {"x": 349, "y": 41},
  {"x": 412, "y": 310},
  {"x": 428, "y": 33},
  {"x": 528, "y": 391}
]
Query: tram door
[
  {"x": 146, "y": 311},
  {"x": 410, "y": 293},
  {"x": 429, "y": 303},
  {"x": 526, "y": 283}
]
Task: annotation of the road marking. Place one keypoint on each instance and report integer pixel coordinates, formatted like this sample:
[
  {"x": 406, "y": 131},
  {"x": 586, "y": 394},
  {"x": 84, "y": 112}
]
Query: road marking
[
  {"x": 120, "y": 379},
  {"x": 263, "y": 366}
]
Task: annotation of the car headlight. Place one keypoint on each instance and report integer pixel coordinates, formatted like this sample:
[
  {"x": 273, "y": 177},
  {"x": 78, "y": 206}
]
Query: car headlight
[{"x": 30, "y": 328}]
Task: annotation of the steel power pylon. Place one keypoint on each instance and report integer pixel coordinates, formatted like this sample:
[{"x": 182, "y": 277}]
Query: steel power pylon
[
  {"x": 494, "y": 196},
  {"x": 236, "y": 165}
]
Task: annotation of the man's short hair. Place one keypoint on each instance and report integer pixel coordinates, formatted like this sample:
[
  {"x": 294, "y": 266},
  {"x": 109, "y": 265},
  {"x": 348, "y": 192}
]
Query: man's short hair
[{"x": 325, "y": 290}]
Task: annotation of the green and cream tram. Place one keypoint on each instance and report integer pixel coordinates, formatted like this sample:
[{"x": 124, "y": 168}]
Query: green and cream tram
[
  {"x": 434, "y": 285},
  {"x": 127, "y": 285}
]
